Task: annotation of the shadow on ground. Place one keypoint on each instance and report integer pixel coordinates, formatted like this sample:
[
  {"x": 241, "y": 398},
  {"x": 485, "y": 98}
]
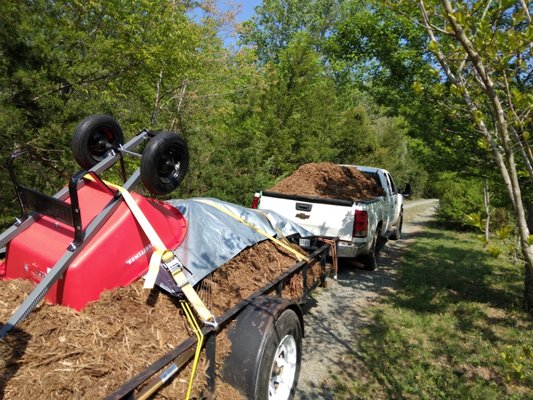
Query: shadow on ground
[
  {"x": 340, "y": 311},
  {"x": 439, "y": 277}
]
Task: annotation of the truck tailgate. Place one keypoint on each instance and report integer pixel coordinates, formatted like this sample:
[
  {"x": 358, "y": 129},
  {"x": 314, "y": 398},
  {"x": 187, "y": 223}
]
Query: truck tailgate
[{"x": 323, "y": 217}]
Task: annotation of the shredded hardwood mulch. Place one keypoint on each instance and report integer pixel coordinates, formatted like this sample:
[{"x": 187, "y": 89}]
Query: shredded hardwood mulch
[
  {"x": 328, "y": 180},
  {"x": 60, "y": 353}
]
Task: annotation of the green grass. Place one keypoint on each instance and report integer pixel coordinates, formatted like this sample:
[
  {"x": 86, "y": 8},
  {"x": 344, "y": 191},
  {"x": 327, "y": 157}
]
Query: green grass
[{"x": 452, "y": 330}]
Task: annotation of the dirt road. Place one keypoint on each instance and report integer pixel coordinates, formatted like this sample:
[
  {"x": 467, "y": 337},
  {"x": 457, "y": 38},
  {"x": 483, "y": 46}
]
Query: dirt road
[{"x": 336, "y": 312}]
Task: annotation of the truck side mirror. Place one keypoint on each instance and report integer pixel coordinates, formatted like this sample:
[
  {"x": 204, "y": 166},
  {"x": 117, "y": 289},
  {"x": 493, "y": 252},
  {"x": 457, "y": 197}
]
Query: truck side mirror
[{"x": 407, "y": 191}]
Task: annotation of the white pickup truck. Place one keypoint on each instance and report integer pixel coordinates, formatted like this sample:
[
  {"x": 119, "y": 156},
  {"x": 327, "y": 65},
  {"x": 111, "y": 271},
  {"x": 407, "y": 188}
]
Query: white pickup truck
[{"x": 362, "y": 226}]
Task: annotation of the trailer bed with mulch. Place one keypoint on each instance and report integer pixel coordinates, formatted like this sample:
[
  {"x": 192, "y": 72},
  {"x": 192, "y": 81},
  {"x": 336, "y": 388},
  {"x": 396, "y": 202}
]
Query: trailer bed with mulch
[{"x": 229, "y": 283}]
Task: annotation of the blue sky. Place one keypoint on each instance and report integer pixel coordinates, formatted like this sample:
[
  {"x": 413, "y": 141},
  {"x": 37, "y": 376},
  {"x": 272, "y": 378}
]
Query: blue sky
[
  {"x": 247, "y": 8},
  {"x": 245, "y": 13}
]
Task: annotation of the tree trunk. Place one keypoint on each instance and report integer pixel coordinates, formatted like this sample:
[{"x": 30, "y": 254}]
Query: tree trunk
[
  {"x": 503, "y": 152},
  {"x": 528, "y": 281},
  {"x": 486, "y": 198},
  {"x": 529, "y": 214},
  {"x": 153, "y": 118}
]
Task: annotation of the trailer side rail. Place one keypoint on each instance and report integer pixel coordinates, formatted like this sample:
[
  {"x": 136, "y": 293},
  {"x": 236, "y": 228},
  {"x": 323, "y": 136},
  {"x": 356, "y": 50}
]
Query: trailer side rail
[{"x": 127, "y": 390}]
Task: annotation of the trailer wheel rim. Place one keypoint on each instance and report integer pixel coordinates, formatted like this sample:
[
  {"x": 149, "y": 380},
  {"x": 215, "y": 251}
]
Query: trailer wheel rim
[
  {"x": 169, "y": 168},
  {"x": 99, "y": 143},
  {"x": 283, "y": 370}
]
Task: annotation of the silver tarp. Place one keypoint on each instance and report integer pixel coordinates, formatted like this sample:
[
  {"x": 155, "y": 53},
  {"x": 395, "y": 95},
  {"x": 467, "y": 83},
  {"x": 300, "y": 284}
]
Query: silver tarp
[{"x": 214, "y": 237}]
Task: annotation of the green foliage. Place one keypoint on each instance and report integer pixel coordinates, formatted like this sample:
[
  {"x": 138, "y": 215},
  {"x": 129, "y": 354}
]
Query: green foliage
[
  {"x": 461, "y": 199},
  {"x": 494, "y": 251},
  {"x": 299, "y": 109},
  {"x": 315, "y": 111},
  {"x": 484, "y": 52},
  {"x": 452, "y": 329},
  {"x": 64, "y": 60},
  {"x": 475, "y": 220},
  {"x": 517, "y": 362},
  {"x": 505, "y": 232},
  {"x": 249, "y": 119},
  {"x": 277, "y": 22},
  {"x": 378, "y": 48}
]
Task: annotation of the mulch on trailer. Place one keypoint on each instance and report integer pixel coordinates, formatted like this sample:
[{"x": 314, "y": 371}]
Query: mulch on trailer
[
  {"x": 328, "y": 180},
  {"x": 60, "y": 353}
]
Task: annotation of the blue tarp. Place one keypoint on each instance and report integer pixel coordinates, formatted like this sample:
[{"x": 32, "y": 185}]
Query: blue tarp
[{"x": 213, "y": 237}]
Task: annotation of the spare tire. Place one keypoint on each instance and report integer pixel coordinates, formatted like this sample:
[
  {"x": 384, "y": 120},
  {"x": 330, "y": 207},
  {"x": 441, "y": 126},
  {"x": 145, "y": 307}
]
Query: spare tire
[
  {"x": 94, "y": 138},
  {"x": 164, "y": 162}
]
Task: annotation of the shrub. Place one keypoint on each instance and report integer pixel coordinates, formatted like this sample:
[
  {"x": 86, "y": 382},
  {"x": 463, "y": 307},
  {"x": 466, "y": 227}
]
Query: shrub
[{"x": 459, "y": 199}]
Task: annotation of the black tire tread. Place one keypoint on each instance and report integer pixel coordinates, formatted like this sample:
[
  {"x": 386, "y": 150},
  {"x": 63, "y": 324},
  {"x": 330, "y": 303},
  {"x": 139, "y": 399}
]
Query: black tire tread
[
  {"x": 82, "y": 134},
  {"x": 370, "y": 261},
  {"x": 150, "y": 158},
  {"x": 287, "y": 323}
]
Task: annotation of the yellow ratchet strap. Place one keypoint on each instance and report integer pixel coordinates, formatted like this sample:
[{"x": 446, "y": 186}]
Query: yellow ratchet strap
[
  {"x": 199, "y": 343},
  {"x": 299, "y": 256},
  {"x": 162, "y": 254}
]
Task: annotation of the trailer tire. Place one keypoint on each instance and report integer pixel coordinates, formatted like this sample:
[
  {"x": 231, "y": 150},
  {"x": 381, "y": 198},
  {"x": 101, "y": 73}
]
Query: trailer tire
[
  {"x": 94, "y": 138},
  {"x": 164, "y": 162},
  {"x": 280, "y": 365},
  {"x": 370, "y": 261},
  {"x": 266, "y": 346},
  {"x": 397, "y": 233}
]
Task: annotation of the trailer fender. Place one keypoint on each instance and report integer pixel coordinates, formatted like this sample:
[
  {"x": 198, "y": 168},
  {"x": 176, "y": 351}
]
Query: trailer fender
[{"x": 266, "y": 349}]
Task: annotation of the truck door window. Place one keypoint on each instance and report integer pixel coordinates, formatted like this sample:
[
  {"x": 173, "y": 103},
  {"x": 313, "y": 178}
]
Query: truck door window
[
  {"x": 392, "y": 185},
  {"x": 387, "y": 179}
]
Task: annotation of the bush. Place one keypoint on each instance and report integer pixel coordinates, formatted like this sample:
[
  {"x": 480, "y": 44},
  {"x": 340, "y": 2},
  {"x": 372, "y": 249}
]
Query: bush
[{"x": 459, "y": 199}]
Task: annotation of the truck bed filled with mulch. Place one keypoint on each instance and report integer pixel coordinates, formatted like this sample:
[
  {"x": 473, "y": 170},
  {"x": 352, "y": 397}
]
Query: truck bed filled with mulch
[
  {"x": 60, "y": 353},
  {"x": 328, "y": 180}
]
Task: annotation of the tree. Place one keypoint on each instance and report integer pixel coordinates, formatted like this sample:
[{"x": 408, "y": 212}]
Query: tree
[
  {"x": 277, "y": 21},
  {"x": 299, "y": 108},
  {"x": 484, "y": 51},
  {"x": 63, "y": 60},
  {"x": 315, "y": 100},
  {"x": 383, "y": 56}
]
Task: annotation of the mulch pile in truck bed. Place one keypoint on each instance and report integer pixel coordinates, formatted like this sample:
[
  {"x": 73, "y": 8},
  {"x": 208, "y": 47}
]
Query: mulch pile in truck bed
[
  {"x": 59, "y": 353},
  {"x": 330, "y": 181}
]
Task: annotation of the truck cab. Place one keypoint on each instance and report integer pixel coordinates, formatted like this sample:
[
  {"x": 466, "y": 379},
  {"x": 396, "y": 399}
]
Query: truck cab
[{"x": 393, "y": 198}]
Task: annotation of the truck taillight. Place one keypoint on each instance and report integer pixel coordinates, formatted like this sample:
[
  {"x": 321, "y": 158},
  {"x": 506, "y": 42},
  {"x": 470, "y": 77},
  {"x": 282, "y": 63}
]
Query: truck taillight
[
  {"x": 255, "y": 201},
  {"x": 360, "y": 225}
]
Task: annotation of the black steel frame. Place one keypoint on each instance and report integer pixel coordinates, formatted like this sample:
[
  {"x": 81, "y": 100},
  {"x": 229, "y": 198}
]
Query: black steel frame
[{"x": 183, "y": 353}]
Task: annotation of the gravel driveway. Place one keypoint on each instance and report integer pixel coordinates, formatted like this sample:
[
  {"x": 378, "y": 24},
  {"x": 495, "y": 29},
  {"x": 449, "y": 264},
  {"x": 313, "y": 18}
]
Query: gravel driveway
[{"x": 337, "y": 311}]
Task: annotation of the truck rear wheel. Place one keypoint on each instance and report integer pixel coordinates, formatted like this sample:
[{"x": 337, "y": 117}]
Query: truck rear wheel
[
  {"x": 397, "y": 234},
  {"x": 370, "y": 261}
]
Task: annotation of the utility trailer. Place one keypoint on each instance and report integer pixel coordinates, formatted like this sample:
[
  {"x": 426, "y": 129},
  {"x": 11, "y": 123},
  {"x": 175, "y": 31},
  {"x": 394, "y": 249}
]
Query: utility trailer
[{"x": 100, "y": 236}]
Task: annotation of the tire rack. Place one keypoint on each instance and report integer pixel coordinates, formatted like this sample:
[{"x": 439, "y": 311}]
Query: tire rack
[{"x": 183, "y": 352}]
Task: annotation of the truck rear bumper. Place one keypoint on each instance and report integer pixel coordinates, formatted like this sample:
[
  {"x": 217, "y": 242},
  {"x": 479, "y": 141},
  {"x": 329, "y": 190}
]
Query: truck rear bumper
[{"x": 349, "y": 249}]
